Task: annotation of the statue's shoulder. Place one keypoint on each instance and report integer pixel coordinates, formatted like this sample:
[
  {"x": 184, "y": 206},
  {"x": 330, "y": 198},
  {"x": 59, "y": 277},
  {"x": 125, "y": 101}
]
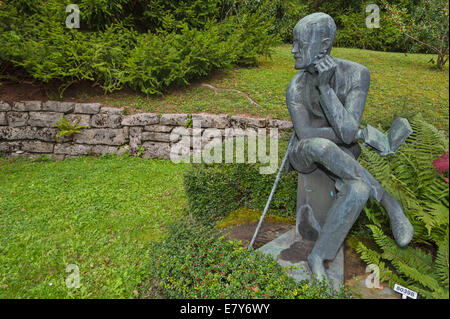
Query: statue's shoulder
[
  {"x": 296, "y": 83},
  {"x": 355, "y": 71}
]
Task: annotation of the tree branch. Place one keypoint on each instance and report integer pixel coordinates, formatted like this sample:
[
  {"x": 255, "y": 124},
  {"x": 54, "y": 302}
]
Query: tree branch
[{"x": 426, "y": 44}]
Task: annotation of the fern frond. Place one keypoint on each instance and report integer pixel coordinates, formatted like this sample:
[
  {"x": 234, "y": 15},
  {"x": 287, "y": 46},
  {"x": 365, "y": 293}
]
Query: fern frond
[
  {"x": 67, "y": 128},
  {"x": 428, "y": 278},
  {"x": 370, "y": 256},
  {"x": 436, "y": 215},
  {"x": 442, "y": 264},
  {"x": 410, "y": 176}
]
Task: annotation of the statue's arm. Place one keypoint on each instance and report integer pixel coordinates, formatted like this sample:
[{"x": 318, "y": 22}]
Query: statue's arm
[
  {"x": 300, "y": 118},
  {"x": 345, "y": 119}
]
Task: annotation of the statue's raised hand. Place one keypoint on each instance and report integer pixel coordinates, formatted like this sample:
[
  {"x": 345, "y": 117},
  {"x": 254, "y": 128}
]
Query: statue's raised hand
[{"x": 326, "y": 68}]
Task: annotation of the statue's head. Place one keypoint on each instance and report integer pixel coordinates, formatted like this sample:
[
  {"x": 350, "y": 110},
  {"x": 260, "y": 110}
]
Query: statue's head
[{"x": 313, "y": 39}]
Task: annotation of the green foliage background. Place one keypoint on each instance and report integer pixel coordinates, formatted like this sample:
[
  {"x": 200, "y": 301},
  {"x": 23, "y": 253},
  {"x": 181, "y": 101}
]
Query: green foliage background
[
  {"x": 146, "y": 45},
  {"x": 151, "y": 46}
]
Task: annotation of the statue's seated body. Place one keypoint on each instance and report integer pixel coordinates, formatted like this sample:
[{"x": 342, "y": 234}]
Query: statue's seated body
[{"x": 326, "y": 99}]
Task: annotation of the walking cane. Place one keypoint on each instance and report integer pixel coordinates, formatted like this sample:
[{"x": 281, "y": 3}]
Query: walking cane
[{"x": 283, "y": 163}]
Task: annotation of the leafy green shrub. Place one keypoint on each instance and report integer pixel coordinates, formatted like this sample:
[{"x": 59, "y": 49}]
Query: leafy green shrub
[
  {"x": 165, "y": 15},
  {"x": 411, "y": 177},
  {"x": 113, "y": 50},
  {"x": 353, "y": 33},
  {"x": 153, "y": 45},
  {"x": 426, "y": 24},
  {"x": 177, "y": 58},
  {"x": 96, "y": 15},
  {"x": 287, "y": 15},
  {"x": 215, "y": 190},
  {"x": 196, "y": 262},
  {"x": 48, "y": 51}
]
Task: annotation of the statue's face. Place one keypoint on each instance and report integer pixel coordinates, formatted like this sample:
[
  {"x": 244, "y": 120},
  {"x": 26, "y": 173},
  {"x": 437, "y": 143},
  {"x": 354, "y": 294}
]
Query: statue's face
[{"x": 307, "y": 46}]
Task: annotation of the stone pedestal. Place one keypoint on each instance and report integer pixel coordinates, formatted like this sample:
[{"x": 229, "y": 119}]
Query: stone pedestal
[
  {"x": 291, "y": 250},
  {"x": 315, "y": 195}
]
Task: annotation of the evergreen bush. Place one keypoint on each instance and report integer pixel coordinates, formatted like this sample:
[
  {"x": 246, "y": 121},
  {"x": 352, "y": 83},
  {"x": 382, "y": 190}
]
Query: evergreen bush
[
  {"x": 215, "y": 190},
  {"x": 119, "y": 45}
]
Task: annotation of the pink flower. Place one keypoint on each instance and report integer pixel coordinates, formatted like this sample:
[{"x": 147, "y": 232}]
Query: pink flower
[{"x": 442, "y": 163}]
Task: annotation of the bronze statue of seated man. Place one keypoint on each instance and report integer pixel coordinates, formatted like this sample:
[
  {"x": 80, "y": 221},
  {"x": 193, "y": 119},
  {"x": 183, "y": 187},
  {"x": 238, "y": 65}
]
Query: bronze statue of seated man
[{"x": 326, "y": 99}]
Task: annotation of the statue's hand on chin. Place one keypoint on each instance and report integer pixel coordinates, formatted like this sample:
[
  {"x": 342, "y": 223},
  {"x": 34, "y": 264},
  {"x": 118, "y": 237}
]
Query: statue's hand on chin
[{"x": 325, "y": 68}]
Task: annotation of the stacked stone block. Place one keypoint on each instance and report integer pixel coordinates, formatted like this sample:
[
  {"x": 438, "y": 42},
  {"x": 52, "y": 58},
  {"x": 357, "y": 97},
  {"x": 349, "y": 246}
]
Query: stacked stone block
[{"x": 28, "y": 128}]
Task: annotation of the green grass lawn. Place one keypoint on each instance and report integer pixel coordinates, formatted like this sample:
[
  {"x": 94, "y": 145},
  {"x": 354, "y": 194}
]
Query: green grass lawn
[
  {"x": 401, "y": 85},
  {"x": 97, "y": 213}
]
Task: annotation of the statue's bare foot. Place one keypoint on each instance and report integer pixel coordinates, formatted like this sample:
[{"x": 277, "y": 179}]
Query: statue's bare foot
[
  {"x": 401, "y": 227},
  {"x": 317, "y": 267}
]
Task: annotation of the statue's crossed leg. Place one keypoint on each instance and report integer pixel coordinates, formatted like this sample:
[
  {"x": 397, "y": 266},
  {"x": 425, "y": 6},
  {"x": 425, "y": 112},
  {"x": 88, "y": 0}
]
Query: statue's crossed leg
[{"x": 355, "y": 186}]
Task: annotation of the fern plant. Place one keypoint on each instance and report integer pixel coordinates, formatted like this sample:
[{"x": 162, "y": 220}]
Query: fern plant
[
  {"x": 408, "y": 266},
  {"x": 67, "y": 128},
  {"x": 411, "y": 177}
]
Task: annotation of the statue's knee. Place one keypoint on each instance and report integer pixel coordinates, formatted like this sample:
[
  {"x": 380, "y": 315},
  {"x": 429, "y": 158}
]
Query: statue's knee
[{"x": 318, "y": 147}]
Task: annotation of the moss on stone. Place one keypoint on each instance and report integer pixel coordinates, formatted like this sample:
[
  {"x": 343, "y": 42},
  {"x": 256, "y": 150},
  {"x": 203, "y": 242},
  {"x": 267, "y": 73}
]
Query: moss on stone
[{"x": 244, "y": 215}]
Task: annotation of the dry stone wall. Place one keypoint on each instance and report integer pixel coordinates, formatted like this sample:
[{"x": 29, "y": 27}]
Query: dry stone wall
[{"x": 28, "y": 128}]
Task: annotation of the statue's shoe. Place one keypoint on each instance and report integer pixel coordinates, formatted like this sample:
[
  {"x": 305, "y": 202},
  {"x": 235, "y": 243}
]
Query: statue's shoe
[
  {"x": 401, "y": 227},
  {"x": 403, "y": 231}
]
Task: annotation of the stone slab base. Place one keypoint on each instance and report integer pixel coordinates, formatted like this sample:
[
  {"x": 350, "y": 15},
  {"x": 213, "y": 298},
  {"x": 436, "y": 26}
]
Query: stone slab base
[
  {"x": 290, "y": 250},
  {"x": 358, "y": 285}
]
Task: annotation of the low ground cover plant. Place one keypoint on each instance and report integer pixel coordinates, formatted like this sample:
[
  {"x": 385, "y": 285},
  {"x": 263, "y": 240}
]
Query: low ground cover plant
[{"x": 197, "y": 261}]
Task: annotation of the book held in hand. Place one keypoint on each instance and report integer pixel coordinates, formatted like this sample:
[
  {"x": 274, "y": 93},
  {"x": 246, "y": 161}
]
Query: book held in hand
[{"x": 387, "y": 144}]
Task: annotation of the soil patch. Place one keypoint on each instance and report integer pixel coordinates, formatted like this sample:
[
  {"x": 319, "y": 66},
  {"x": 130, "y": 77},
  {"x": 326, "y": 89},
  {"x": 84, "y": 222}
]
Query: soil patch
[
  {"x": 353, "y": 265},
  {"x": 13, "y": 92},
  {"x": 37, "y": 91},
  {"x": 267, "y": 233},
  {"x": 298, "y": 251}
]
